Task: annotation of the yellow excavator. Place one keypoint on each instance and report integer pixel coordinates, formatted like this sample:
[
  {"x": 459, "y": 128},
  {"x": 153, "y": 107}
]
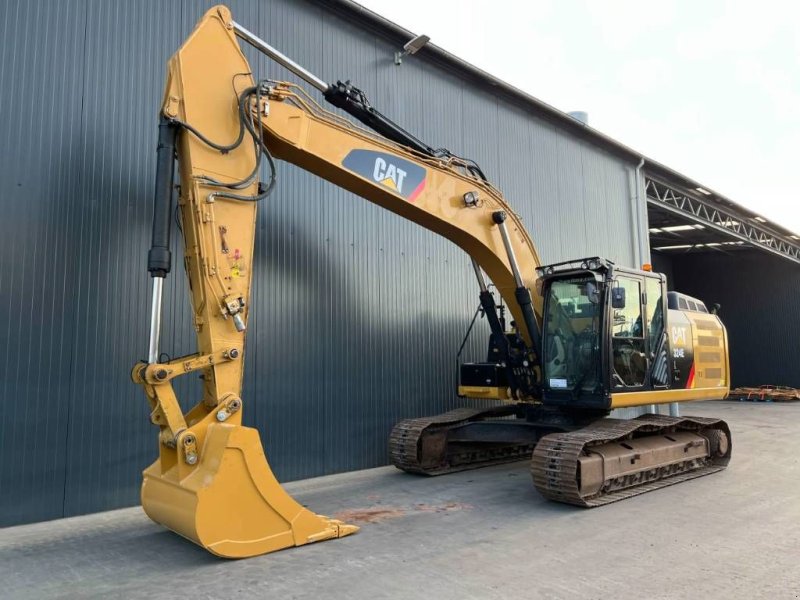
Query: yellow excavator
[{"x": 584, "y": 337}]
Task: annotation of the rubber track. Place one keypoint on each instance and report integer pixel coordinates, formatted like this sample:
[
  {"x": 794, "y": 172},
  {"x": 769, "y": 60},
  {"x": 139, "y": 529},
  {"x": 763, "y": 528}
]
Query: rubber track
[
  {"x": 405, "y": 446},
  {"x": 555, "y": 460}
]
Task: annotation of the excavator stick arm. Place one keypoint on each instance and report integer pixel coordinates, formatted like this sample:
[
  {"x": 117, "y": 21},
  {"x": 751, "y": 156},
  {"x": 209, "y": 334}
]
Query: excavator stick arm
[{"x": 211, "y": 482}]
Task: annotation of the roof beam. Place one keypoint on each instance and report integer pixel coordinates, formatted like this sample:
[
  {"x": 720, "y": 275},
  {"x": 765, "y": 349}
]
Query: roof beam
[{"x": 724, "y": 220}]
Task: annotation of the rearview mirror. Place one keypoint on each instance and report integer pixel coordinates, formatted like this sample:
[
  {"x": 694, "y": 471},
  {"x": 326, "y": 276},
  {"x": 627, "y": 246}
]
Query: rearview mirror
[{"x": 618, "y": 297}]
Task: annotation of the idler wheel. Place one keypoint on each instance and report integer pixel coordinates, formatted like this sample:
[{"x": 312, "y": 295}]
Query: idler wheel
[{"x": 718, "y": 442}]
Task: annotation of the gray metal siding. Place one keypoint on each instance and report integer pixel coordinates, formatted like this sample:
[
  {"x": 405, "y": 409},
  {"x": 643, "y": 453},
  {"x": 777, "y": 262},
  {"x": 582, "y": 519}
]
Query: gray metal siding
[
  {"x": 42, "y": 124},
  {"x": 357, "y": 314},
  {"x": 760, "y": 299}
]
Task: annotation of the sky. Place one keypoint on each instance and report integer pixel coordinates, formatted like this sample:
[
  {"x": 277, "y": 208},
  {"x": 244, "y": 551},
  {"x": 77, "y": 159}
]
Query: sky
[{"x": 710, "y": 88}]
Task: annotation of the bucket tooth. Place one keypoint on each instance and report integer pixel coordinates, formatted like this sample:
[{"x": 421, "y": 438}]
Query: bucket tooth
[{"x": 230, "y": 503}]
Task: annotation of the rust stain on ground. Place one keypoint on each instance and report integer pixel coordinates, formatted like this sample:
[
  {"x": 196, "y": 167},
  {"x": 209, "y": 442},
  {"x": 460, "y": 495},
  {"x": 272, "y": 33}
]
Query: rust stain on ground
[
  {"x": 370, "y": 515},
  {"x": 385, "y": 513}
]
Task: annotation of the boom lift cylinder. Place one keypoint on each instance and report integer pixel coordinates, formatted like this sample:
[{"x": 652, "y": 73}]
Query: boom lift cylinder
[
  {"x": 522, "y": 294},
  {"x": 159, "y": 259}
]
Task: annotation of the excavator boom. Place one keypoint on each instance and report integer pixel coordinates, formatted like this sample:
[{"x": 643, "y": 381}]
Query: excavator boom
[{"x": 211, "y": 108}]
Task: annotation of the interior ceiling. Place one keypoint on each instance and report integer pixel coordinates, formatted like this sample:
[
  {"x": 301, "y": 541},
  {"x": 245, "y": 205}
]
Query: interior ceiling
[{"x": 671, "y": 233}]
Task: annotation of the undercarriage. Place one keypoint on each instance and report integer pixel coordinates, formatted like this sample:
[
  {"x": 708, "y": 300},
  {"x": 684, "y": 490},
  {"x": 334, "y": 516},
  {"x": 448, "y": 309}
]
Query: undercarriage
[{"x": 579, "y": 459}]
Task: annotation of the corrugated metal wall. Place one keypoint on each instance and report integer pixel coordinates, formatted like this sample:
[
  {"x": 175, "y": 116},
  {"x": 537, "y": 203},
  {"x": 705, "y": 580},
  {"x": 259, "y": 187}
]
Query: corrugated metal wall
[
  {"x": 357, "y": 314},
  {"x": 760, "y": 299}
]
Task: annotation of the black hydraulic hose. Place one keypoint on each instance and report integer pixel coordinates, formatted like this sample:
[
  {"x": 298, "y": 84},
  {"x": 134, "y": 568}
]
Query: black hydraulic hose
[
  {"x": 478, "y": 311},
  {"x": 224, "y": 148},
  {"x": 159, "y": 259},
  {"x": 244, "y": 97},
  {"x": 247, "y": 122}
]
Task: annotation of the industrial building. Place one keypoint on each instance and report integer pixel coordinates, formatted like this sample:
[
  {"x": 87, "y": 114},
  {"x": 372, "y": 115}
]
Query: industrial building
[{"x": 349, "y": 332}]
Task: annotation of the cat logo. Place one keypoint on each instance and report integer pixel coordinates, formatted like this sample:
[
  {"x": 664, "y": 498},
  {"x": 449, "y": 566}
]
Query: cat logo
[
  {"x": 388, "y": 174},
  {"x": 397, "y": 174},
  {"x": 678, "y": 336}
]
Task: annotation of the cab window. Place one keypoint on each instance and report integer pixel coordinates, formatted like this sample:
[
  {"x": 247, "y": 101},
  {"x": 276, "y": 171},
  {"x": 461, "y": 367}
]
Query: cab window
[
  {"x": 627, "y": 330},
  {"x": 654, "y": 311},
  {"x": 572, "y": 335}
]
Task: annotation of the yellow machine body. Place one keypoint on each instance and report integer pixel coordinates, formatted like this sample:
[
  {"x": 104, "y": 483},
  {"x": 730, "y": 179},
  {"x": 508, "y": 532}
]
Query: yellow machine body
[
  {"x": 211, "y": 482},
  {"x": 701, "y": 342}
]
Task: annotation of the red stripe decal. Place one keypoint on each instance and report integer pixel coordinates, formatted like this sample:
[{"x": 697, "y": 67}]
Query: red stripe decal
[
  {"x": 690, "y": 380},
  {"x": 417, "y": 191}
]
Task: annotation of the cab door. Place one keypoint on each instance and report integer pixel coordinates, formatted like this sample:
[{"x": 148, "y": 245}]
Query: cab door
[
  {"x": 639, "y": 345},
  {"x": 627, "y": 325},
  {"x": 655, "y": 311}
]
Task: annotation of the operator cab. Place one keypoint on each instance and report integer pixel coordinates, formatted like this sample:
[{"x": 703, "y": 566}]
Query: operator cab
[{"x": 603, "y": 332}]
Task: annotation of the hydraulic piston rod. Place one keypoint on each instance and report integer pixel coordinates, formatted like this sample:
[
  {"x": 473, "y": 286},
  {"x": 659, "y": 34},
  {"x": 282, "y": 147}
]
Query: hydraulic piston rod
[
  {"x": 522, "y": 293},
  {"x": 479, "y": 275},
  {"x": 279, "y": 57},
  {"x": 155, "y": 320},
  {"x": 347, "y": 97},
  {"x": 500, "y": 219}
]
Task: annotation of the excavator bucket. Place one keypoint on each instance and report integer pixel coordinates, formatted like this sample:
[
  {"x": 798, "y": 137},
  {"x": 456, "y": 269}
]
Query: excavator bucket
[
  {"x": 230, "y": 503},
  {"x": 211, "y": 482}
]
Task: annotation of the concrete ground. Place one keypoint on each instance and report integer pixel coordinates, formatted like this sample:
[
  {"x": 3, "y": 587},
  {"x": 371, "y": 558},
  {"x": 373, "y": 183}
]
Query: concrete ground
[{"x": 480, "y": 534}]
